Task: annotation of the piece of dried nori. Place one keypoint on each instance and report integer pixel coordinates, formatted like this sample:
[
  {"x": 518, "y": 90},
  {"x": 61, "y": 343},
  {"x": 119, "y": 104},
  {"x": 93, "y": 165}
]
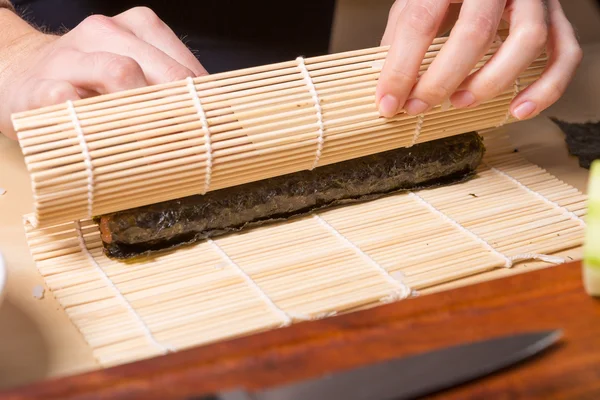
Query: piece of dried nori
[
  {"x": 140, "y": 231},
  {"x": 583, "y": 140}
]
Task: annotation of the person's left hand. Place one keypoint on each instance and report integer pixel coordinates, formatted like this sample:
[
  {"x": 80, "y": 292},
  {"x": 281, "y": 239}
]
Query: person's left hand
[{"x": 535, "y": 25}]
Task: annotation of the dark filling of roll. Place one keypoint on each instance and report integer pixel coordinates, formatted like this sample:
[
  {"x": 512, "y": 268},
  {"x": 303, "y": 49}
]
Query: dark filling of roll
[{"x": 141, "y": 231}]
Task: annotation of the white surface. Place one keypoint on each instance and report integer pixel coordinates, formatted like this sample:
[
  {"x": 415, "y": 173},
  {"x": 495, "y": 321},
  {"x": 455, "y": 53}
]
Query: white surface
[{"x": 2, "y": 278}]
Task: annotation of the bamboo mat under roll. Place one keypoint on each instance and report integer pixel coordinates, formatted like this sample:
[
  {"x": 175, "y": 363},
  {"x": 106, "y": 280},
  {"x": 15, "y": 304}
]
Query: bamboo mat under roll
[{"x": 333, "y": 261}]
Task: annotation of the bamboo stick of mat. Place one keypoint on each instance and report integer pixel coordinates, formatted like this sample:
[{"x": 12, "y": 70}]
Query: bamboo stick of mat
[{"x": 124, "y": 150}]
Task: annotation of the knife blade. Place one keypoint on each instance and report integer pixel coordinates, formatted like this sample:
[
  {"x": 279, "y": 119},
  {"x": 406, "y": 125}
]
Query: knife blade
[{"x": 410, "y": 377}]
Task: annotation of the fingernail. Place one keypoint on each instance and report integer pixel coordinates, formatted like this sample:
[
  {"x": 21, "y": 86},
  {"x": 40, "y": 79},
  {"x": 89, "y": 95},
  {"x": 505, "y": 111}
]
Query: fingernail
[
  {"x": 462, "y": 99},
  {"x": 388, "y": 106},
  {"x": 524, "y": 110},
  {"x": 415, "y": 107}
]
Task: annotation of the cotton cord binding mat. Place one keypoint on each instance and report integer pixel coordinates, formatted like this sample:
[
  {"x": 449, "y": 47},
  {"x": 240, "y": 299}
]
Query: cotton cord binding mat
[
  {"x": 135, "y": 316},
  {"x": 206, "y": 129},
  {"x": 315, "y": 96},
  {"x": 169, "y": 141},
  {"x": 86, "y": 156},
  {"x": 128, "y": 149}
]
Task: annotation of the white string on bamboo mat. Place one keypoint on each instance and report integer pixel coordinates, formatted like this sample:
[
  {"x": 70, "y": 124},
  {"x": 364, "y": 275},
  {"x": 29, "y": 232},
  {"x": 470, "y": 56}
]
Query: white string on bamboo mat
[
  {"x": 402, "y": 290},
  {"x": 561, "y": 209},
  {"x": 87, "y": 158},
  {"x": 446, "y": 104},
  {"x": 147, "y": 332},
  {"x": 287, "y": 320},
  {"x": 516, "y": 90},
  {"x": 305, "y": 317},
  {"x": 418, "y": 127},
  {"x": 207, "y": 139},
  {"x": 315, "y": 96},
  {"x": 508, "y": 261}
]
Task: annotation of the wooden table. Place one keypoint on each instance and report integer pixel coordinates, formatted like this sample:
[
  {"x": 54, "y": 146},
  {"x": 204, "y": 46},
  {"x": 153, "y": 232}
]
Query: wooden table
[
  {"x": 551, "y": 298},
  {"x": 37, "y": 340}
]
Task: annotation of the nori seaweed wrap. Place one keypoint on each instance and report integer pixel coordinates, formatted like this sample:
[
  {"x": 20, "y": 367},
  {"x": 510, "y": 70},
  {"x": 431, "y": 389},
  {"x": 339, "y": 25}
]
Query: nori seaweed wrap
[
  {"x": 583, "y": 140},
  {"x": 140, "y": 231}
]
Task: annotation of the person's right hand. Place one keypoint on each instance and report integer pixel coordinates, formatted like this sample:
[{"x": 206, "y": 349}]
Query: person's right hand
[{"x": 101, "y": 55}]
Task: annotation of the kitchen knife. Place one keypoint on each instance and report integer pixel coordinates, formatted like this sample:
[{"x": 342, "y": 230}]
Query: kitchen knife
[{"x": 410, "y": 377}]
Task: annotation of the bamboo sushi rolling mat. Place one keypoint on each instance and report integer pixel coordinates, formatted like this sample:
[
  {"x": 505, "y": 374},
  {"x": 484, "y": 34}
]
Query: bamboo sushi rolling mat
[{"x": 329, "y": 262}]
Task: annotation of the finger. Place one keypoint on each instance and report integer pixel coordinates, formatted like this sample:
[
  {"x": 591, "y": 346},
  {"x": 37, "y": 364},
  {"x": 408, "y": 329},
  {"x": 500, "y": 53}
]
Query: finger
[
  {"x": 98, "y": 72},
  {"x": 450, "y": 18},
  {"x": 447, "y": 22},
  {"x": 477, "y": 25},
  {"x": 48, "y": 92},
  {"x": 565, "y": 57},
  {"x": 101, "y": 34},
  {"x": 390, "y": 28},
  {"x": 526, "y": 41},
  {"x": 147, "y": 26},
  {"x": 34, "y": 93},
  {"x": 416, "y": 27}
]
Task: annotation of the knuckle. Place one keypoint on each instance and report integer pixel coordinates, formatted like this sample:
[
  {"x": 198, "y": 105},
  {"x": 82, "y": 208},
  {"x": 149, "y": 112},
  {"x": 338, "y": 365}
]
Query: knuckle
[
  {"x": 121, "y": 69},
  {"x": 489, "y": 88},
  {"x": 421, "y": 18},
  {"x": 576, "y": 54},
  {"x": 97, "y": 21},
  {"x": 58, "y": 92},
  {"x": 144, "y": 11},
  {"x": 398, "y": 75},
  {"x": 534, "y": 35},
  {"x": 147, "y": 16},
  {"x": 480, "y": 29},
  {"x": 434, "y": 93}
]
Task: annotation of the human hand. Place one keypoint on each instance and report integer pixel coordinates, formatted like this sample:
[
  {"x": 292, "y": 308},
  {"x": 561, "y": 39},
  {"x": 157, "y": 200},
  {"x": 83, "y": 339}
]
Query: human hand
[
  {"x": 101, "y": 55},
  {"x": 535, "y": 25}
]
